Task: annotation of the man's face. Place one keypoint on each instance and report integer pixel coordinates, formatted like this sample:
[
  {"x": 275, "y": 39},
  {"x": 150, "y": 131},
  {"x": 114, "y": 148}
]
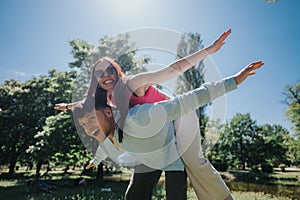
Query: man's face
[{"x": 96, "y": 124}]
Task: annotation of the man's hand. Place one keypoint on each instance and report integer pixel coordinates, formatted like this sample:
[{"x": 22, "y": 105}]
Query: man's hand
[
  {"x": 90, "y": 165},
  {"x": 247, "y": 71},
  {"x": 219, "y": 42}
]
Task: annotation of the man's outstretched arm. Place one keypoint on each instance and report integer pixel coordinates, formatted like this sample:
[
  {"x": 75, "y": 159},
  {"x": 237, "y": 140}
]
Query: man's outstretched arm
[
  {"x": 154, "y": 116},
  {"x": 181, "y": 104}
]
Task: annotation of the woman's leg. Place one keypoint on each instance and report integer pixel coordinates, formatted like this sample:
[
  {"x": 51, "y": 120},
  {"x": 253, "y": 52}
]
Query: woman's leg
[{"x": 205, "y": 179}]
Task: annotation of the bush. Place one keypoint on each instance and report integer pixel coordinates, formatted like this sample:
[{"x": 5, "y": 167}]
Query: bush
[
  {"x": 267, "y": 168},
  {"x": 220, "y": 166},
  {"x": 282, "y": 167},
  {"x": 255, "y": 169}
]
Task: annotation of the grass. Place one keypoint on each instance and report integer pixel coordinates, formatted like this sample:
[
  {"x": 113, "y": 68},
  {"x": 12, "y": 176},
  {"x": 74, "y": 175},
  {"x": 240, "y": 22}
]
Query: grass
[
  {"x": 93, "y": 191},
  {"x": 288, "y": 178},
  {"x": 19, "y": 187}
]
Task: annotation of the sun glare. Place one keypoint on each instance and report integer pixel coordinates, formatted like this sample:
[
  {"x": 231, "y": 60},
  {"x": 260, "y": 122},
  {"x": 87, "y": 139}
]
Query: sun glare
[{"x": 130, "y": 7}]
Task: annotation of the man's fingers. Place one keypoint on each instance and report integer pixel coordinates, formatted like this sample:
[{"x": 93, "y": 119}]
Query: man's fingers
[
  {"x": 228, "y": 32},
  {"x": 256, "y": 65},
  {"x": 89, "y": 166},
  {"x": 252, "y": 73}
]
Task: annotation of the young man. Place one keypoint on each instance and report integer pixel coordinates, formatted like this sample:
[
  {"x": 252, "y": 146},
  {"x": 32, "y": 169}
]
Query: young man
[
  {"x": 144, "y": 178},
  {"x": 158, "y": 150}
]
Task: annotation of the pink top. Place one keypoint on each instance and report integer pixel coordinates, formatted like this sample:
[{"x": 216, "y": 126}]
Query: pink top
[{"x": 152, "y": 95}]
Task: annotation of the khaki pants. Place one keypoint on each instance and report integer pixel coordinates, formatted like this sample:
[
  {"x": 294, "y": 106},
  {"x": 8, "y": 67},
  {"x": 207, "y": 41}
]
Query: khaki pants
[{"x": 206, "y": 181}]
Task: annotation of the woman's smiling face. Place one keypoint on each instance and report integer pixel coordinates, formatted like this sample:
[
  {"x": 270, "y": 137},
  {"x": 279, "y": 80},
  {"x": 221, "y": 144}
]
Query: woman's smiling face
[{"x": 106, "y": 74}]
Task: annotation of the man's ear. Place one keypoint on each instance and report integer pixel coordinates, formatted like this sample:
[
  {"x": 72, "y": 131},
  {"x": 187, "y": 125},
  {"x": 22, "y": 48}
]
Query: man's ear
[{"x": 108, "y": 112}]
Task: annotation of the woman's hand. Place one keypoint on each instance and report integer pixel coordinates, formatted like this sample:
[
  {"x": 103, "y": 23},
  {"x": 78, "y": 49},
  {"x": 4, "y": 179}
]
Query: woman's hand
[
  {"x": 61, "y": 106},
  {"x": 218, "y": 43}
]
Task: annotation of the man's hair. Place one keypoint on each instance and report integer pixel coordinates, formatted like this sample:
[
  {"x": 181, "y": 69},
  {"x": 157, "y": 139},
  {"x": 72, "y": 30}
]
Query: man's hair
[{"x": 89, "y": 104}]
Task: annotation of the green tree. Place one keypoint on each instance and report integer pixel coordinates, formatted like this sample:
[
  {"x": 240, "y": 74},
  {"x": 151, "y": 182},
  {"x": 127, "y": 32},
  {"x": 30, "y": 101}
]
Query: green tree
[
  {"x": 213, "y": 139},
  {"x": 25, "y": 107},
  {"x": 59, "y": 143},
  {"x": 293, "y": 152},
  {"x": 275, "y": 145},
  {"x": 239, "y": 143},
  {"x": 123, "y": 51},
  {"x": 58, "y": 89},
  {"x": 13, "y": 137},
  {"x": 192, "y": 78},
  {"x": 292, "y": 93},
  {"x": 244, "y": 144}
]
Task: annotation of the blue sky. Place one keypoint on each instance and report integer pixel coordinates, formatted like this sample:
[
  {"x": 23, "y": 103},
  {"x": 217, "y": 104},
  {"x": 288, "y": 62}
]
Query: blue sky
[{"x": 35, "y": 34}]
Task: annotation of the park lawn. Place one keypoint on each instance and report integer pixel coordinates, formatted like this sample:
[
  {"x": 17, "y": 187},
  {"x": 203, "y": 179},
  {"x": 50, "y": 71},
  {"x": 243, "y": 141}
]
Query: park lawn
[
  {"x": 113, "y": 187},
  {"x": 20, "y": 190},
  {"x": 289, "y": 178},
  {"x": 93, "y": 191}
]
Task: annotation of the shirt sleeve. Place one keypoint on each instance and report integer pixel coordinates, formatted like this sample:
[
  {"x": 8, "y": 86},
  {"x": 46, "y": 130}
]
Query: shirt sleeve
[
  {"x": 100, "y": 155},
  {"x": 154, "y": 116},
  {"x": 196, "y": 98}
]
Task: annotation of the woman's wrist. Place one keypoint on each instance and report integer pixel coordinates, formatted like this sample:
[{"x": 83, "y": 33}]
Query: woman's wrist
[{"x": 209, "y": 50}]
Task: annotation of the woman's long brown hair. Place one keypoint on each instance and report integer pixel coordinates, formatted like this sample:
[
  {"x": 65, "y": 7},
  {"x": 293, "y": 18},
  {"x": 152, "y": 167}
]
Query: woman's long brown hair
[
  {"x": 93, "y": 80},
  {"x": 120, "y": 94}
]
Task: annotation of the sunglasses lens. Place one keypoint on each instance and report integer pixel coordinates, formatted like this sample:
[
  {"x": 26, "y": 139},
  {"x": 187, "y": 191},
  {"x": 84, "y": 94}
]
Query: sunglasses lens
[
  {"x": 98, "y": 74},
  {"x": 109, "y": 70}
]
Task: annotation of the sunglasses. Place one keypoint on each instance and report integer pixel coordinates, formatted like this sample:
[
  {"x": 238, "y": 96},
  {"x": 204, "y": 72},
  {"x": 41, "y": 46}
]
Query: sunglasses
[{"x": 109, "y": 70}]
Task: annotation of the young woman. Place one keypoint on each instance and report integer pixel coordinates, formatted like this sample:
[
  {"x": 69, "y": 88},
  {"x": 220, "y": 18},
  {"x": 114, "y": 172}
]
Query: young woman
[{"x": 107, "y": 75}]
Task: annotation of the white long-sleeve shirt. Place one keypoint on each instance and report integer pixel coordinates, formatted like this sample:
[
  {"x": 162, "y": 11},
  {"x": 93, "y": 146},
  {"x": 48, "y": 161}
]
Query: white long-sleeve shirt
[{"x": 149, "y": 135}]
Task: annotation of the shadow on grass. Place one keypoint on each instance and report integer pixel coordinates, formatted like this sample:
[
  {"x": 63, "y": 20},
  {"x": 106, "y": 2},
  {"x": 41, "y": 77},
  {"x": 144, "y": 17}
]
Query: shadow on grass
[
  {"x": 257, "y": 181},
  {"x": 65, "y": 189},
  {"x": 28, "y": 186},
  {"x": 259, "y": 177}
]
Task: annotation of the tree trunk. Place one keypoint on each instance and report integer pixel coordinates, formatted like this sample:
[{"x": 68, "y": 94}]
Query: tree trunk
[
  {"x": 100, "y": 172},
  {"x": 39, "y": 166},
  {"x": 12, "y": 166},
  {"x": 30, "y": 166},
  {"x": 66, "y": 169}
]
